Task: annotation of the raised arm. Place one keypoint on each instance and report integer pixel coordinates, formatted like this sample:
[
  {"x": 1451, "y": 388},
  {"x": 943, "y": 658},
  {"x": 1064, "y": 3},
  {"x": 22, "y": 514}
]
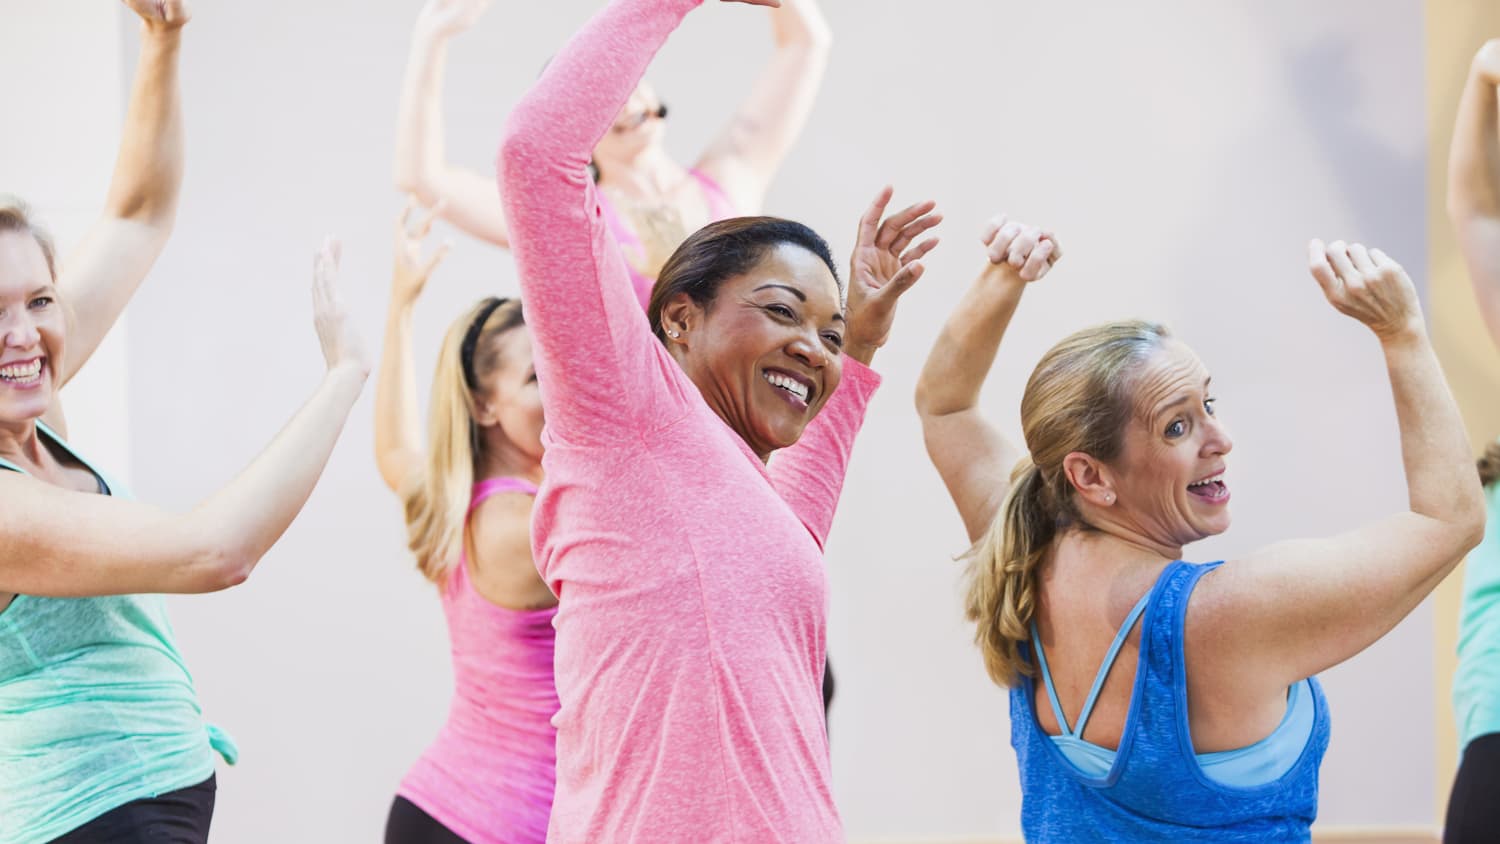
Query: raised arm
[
  {"x": 60, "y": 543},
  {"x": 886, "y": 262},
  {"x": 466, "y": 197},
  {"x": 745, "y": 156},
  {"x": 598, "y": 363},
  {"x": 398, "y": 431},
  {"x": 1474, "y": 181},
  {"x": 1297, "y": 608},
  {"x": 972, "y": 456},
  {"x": 102, "y": 273}
]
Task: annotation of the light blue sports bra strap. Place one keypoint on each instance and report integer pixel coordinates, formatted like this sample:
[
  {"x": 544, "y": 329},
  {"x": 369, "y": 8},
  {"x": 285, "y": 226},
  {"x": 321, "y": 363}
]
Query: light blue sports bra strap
[
  {"x": 1041, "y": 660},
  {"x": 1109, "y": 660}
]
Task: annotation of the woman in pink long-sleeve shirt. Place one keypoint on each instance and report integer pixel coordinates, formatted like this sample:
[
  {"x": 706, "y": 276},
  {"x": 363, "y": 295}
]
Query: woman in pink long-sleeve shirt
[{"x": 692, "y": 621}]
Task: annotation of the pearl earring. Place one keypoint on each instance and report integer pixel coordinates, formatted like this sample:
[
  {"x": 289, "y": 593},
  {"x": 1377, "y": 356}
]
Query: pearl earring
[{"x": 674, "y": 335}]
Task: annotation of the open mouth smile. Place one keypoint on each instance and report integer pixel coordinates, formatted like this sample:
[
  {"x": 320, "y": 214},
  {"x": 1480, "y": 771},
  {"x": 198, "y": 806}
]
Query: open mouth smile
[
  {"x": 22, "y": 373},
  {"x": 1211, "y": 489},
  {"x": 797, "y": 389}
]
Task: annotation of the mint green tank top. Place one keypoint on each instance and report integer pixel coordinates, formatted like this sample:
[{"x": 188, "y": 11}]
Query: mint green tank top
[
  {"x": 97, "y": 708},
  {"x": 1476, "y": 684}
]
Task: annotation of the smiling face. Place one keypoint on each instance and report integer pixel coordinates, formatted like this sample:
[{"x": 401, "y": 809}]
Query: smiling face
[
  {"x": 766, "y": 352},
  {"x": 1169, "y": 475},
  {"x": 637, "y": 127},
  {"x": 32, "y": 329},
  {"x": 508, "y": 396}
]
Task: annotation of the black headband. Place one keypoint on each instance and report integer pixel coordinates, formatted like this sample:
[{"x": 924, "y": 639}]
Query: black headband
[{"x": 471, "y": 339}]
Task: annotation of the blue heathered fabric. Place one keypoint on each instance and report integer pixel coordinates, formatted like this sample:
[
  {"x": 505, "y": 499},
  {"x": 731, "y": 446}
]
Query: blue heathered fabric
[{"x": 1156, "y": 791}]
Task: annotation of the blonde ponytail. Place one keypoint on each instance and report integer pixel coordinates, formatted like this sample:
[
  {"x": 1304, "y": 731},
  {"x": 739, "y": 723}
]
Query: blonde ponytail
[
  {"x": 437, "y": 499},
  {"x": 1077, "y": 400}
]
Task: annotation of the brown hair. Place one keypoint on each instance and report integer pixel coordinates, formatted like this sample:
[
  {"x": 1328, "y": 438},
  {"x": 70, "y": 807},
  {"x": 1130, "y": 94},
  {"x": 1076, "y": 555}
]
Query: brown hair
[
  {"x": 15, "y": 216},
  {"x": 1077, "y": 400},
  {"x": 720, "y": 251},
  {"x": 437, "y": 498},
  {"x": 1489, "y": 465}
]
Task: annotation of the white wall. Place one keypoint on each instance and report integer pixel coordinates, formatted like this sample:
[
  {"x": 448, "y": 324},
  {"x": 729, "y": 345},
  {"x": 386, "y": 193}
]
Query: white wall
[{"x": 1183, "y": 151}]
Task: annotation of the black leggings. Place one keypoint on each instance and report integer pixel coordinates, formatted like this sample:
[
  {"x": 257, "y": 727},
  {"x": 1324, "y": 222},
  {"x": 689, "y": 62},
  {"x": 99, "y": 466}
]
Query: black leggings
[
  {"x": 408, "y": 824},
  {"x": 1474, "y": 807},
  {"x": 177, "y": 817}
]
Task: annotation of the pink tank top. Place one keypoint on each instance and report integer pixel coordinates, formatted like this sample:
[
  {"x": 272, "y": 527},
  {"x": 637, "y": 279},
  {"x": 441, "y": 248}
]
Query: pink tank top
[
  {"x": 719, "y": 208},
  {"x": 490, "y": 774}
]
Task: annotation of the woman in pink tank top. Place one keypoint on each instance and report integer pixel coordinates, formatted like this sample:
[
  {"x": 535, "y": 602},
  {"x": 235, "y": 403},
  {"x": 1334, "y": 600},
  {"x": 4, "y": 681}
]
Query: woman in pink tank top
[
  {"x": 489, "y": 775},
  {"x": 651, "y": 201}
]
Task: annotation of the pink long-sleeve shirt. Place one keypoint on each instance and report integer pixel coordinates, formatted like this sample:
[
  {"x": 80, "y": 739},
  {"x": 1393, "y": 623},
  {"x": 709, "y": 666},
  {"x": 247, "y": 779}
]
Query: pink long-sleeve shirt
[{"x": 692, "y": 623}]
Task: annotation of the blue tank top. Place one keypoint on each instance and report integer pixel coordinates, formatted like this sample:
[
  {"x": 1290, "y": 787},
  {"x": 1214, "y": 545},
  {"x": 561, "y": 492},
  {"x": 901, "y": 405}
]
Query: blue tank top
[
  {"x": 1156, "y": 789},
  {"x": 97, "y": 708}
]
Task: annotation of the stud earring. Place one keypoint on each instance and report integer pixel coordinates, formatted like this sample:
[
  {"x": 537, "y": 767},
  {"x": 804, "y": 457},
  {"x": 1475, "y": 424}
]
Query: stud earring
[
  {"x": 1109, "y": 498},
  {"x": 674, "y": 335}
]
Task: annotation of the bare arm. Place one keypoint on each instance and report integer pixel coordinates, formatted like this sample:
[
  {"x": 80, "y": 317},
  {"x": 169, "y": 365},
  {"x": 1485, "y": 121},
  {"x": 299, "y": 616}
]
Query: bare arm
[
  {"x": 1474, "y": 182},
  {"x": 1297, "y": 608},
  {"x": 103, "y": 272},
  {"x": 467, "y": 197},
  {"x": 972, "y": 456},
  {"x": 60, "y": 543},
  {"x": 398, "y": 431},
  {"x": 745, "y": 156}
]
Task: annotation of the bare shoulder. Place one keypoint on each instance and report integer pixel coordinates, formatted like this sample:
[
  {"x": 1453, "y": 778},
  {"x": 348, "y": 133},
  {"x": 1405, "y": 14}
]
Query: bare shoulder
[
  {"x": 502, "y": 524},
  {"x": 501, "y": 561}
]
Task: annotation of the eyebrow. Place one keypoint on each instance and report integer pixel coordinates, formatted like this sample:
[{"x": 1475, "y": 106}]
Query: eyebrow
[
  {"x": 801, "y": 297},
  {"x": 46, "y": 288}
]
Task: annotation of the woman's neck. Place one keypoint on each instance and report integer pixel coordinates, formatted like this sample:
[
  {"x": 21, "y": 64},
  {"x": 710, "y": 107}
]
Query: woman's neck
[
  {"x": 20, "y": 443},
  {"x": 501, "y": 458},
  {"x": 649, "y": 175}
]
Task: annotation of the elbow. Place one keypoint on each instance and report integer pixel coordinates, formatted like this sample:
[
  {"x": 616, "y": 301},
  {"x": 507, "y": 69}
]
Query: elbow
[
  {"x": 520, "y": 147},
  {"x": 223, "y": 567}
]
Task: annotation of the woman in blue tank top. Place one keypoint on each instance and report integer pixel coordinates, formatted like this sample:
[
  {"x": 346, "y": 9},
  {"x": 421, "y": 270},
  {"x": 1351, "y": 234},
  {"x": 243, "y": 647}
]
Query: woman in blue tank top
[
  {"x": 101, "y": 735},
  {"x": 1153, "y": 699},
  {"x": 1474, "y": 207}
]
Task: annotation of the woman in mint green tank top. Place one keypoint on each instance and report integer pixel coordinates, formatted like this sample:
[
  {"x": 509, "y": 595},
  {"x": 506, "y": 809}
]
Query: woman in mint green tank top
[
  {"x": 101, "y": 734},
  {"x": 1474, "y": 206}
]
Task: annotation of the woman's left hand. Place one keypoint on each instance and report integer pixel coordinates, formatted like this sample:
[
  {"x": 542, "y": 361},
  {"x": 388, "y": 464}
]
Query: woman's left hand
[
  {"x": 884, "y": 265},
  {"x": 161, "y": 14}
]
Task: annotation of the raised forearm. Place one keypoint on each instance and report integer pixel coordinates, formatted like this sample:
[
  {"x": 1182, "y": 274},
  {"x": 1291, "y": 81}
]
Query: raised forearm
[
  {"x": 245, "y": 518},
  {"x": 961, "y": 358},
  {"x": 1474, "y": 158},
  {"x": 148, "y": 171},
  {"x": 1441, "y": 480},
  {"x": 419, "y": 123},
  {"x": 398, "y": 434},
  {"x": 801, "y": 24}
]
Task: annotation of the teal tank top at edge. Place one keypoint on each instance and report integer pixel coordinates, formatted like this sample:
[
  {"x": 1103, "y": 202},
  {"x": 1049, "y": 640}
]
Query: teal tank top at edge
[
  {"x": 97, "y": 708},
  {"x": 1476, "y": 682},
  {"x": 1156, "y": 789}
]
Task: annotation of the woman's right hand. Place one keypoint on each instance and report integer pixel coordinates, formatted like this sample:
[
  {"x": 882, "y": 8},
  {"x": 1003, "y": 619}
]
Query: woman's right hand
[
  {"x": 1367, "y": 285},
  {"x": 342, "y": 345},
  {"x": 161, "y": 14},
  {"x": 410, "y": 274},
  {"x": 446, "y": 18},
  {"x": 775, "y": 4},
  {"x": 1017, "y": 251}
]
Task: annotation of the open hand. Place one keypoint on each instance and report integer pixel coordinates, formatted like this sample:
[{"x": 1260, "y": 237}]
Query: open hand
[
  {"x": 342, "y": 345},
  {"x": 775, "y": 4},
  {"x": 1367, "y": 285},
  {"x": 884, "y": 265},
  {"x": 411, "y": 272},
  {"x": 161, "y": 14},
  {"x": 450, "y": 17},
  {"x": 1018, "y": 251}
]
